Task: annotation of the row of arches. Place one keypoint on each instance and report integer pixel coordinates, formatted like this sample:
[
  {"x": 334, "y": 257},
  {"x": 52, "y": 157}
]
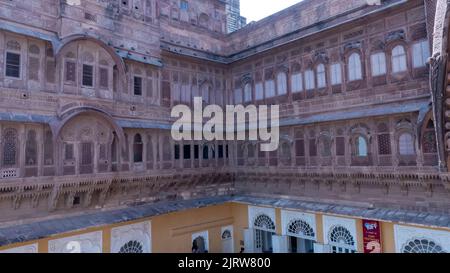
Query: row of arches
[
  {"x": 396, "y": 60},
  {"x": 384, "y": 144},
  {"x": 81, "y": 65}
]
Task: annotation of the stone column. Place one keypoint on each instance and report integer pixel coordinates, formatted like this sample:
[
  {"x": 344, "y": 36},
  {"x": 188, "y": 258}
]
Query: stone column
[{"x": 22, "y": 143}]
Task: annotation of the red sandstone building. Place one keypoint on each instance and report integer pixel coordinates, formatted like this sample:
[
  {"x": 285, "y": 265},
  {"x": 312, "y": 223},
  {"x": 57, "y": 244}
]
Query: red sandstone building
[{"x": 87, "y": 157}]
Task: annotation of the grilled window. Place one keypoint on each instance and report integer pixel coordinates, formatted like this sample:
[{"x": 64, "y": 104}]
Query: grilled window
[
  {"x": 88, "y": 75},
  {"x": 12, "y": 65}
]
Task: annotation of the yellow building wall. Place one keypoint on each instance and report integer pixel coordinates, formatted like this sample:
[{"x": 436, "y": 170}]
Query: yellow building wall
[
  {"x": 240, "y": 216},
  {"x": 173, "y": 232}
]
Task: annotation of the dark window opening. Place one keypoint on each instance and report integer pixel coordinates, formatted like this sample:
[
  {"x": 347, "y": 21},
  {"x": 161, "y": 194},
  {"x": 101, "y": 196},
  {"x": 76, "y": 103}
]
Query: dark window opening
[
  {"x": 220, "y": 151},
  {"x": 205, "y": 152},
  {"x": 12, "y": 65},
  {"x": 88, "y": 75},
  {"x": 196, "y": 151},
  {"x": 312, "y": 147},
  {"x": 177, "y": 152},
  {"x": 76, "y": 200},
  {"x": 187, "y": 152},
  {"x": 138, "y": 86},
  {"x": 138, "y": 147}
]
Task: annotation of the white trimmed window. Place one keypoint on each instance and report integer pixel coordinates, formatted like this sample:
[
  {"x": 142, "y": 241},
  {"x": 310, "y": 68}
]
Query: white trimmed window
[
  {"x": 354, "y": 67},
  {"x": 336, "y": 74},
  {"x": 259, "y": 91},
  {"x": 321, "y": 76},
  {"x": 247, "y": 92},
  {"x": 270, "y": 88},
  {"x": 297, "y": 82},
  {"x": 309, "y": 79},
  {"x": 421, "y": 53},
  {"x": 398, "y": 59},
  {"x": 282, "y": 83},
  {"x": 378, "y": 61},
  {"x": 406, "y": 144}
]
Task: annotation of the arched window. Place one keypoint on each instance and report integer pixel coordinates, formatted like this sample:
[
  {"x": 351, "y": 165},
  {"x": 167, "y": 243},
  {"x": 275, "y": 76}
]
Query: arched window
[
  {"x": 421, "y": 53},
  {"x": 48, "y": 148},
  {"x": 309, "y": 80},
  {"x": 341, "y": 240},
  {"x": 247, "y": 92},
  {"x": 269, "y": 86},
  {"x": 10, "y": 147},
  {"x": 238, "y": 96},
  {"x": 297, "y": 82},
  {"x": 429, "y": 139},
  {"x": 132, "y": 247},
  {"x": 378, "y": 62},
  {"x": 336, "y": 74},
  {"x": 354, "y": 67},
  {"x": 325, "y": 146},
  {"x": 137, "y": 148},
  {"x": 282, "y": 83},
  {"x": 226, "y": 234},
  {"x": 422, "y": 246},
  {"x": 361, "y": 147},
  {"x": 300, "y": 228},
  {"x": 406, "y": 144},
  {"x": 13, "y": 59},
  {"x": 204, "y": 20},
  {"x": 321, "y": 76},
  {"x": 31, "y": 149},
  {"x": 259, "y": 91},
  {"x": 398, "y": 59},
  {"x": 206, "y": 93},
  {"x": 384, "y": 140},
  {"x": 263, "y": 222}
]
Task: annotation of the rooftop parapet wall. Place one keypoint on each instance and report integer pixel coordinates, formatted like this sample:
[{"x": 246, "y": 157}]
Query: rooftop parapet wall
[{"x": 306, "y": 14}]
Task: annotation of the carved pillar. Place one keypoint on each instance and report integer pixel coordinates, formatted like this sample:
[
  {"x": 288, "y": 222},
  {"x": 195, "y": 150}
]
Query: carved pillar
[
  {"x": 438, "y": 70},
  {"x": 22, "y": 141},
  {"x": 40, "y": 135},
  {"x": 76, "y": 154},
  {"x": 96, "y": 155},
  {"x": 394, "y": 144}
]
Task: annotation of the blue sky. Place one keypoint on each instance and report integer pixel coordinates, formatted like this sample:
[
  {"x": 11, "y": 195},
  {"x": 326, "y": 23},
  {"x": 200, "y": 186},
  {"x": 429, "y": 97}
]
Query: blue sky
[{"x": 255, "y": 10}]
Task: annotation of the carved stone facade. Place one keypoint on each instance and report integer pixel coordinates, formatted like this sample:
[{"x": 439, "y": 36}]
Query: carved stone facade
[{"x": 86, "y": 90}]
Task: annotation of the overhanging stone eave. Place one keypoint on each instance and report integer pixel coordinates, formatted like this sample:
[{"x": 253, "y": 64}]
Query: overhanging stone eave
[{"x": 230, "y": 59}]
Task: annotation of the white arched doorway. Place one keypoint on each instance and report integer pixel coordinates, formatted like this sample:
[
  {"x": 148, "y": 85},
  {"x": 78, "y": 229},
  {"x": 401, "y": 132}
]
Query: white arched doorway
[
  {"x": 301, "y": 237},
  {"x": 264, "y": 229}
]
